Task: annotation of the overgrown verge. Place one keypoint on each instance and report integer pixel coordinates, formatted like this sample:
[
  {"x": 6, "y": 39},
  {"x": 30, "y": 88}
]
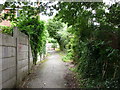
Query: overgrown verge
[
  {"x": 93, "y": 42},
  {"x": 71, "y": 75}
]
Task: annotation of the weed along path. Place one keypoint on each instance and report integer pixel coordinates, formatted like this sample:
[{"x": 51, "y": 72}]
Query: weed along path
[{"x": 49, "y": 74}]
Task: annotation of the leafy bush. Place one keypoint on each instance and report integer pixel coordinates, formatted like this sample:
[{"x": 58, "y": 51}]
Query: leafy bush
[
  {"x": 94, "y": 42},
  {"x": 56, "y": 30},
  {"x": 100, "y": 63},
  {"x": 37, "y": 33},
  {"x": 51, "y": 40},
  {"x": 54, "y": 45},
  {"x": 68, "y": 57},
  {"x": 6, "y": 30}
]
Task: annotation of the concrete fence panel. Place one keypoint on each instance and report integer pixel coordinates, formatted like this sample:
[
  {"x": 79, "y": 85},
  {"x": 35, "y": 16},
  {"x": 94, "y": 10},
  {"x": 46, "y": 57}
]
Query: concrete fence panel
[
  {"x": 15, "y": 59},
  {"x": 0, "y": 61},
  {"x": 8, "y": 61}
]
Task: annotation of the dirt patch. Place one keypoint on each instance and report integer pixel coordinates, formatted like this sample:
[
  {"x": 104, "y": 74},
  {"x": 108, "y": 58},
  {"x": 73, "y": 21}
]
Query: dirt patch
[{"x": 70, "y": 77}]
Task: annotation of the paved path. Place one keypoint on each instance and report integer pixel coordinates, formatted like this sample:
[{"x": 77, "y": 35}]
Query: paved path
[{"x": 49, "y": 74}]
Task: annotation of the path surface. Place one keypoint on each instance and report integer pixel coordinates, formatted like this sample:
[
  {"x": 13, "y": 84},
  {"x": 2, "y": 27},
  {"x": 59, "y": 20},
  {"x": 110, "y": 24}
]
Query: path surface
[{"x": 50, "y": 74}]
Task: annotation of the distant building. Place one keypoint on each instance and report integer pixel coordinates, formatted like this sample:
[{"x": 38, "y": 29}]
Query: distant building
[{"x": 5, "y": 22}]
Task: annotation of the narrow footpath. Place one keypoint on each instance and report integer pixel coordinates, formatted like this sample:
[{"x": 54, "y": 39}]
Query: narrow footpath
[{"x": 49, "y": 74}]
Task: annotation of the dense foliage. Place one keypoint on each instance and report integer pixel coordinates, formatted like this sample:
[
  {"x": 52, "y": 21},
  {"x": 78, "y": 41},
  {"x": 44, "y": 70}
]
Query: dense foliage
[
  {"x": 27, "y": 20},
  {"x": 36, "y": 31},
  {"x": 56, "y": 31},
  {"x": 92, "y": 38},
  {"x": 6, "y": 30},
  {"x": 36, "y": 8},
  {"x": 51, "y": 40},
  {"x": 94, "y": 41}
]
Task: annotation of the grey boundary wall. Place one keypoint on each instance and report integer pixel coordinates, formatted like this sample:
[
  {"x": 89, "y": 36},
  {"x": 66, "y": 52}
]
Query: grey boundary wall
[
  {"x": 15, "y": 59},
  {"x": 0, "y": 61}
]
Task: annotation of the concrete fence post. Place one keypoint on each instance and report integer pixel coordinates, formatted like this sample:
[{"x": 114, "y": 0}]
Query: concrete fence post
[
  {"x": 15, "y": 59},
  {"x": 16, "y": 35},
  {"x": 28, "y": 55},
  {"x": 0, "y": 61}
]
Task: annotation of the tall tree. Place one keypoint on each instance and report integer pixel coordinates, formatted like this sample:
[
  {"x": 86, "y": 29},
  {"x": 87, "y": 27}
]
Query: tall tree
[
  {"x": 54, "y": 27},
  {"x": 95, "y": 41}
]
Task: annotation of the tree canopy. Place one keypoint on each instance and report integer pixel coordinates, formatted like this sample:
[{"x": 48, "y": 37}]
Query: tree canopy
[
  {"x": 94, "y": 44},
  {"x": 91, "y": 37},
  {"x": 55, "y": 29}
]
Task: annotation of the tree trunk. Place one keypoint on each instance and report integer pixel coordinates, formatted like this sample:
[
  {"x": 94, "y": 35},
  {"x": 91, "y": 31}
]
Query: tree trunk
[
  {"x": 35, "y": 57},
  {"x": 61, "y": 45}
]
